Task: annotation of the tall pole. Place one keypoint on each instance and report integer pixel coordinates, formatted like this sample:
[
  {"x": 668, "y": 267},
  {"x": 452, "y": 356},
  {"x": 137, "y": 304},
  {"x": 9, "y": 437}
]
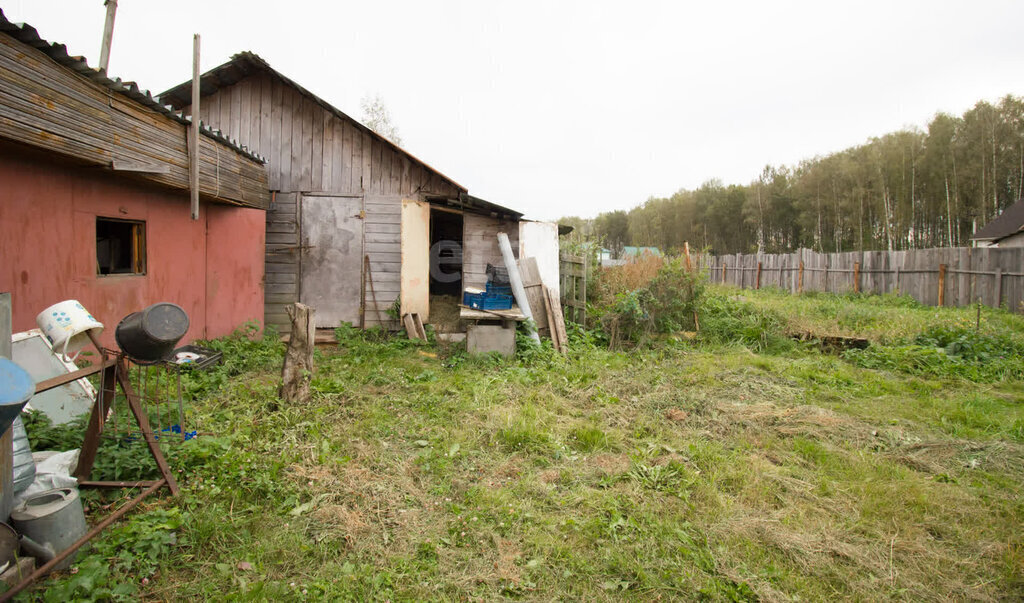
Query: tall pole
[
  {"x": 108, "y": 33},
  {"x": 193, "y": 152}
]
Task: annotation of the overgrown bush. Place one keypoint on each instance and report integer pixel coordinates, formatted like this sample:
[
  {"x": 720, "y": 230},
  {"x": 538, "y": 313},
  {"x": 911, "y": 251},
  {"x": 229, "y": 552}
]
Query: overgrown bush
[
  {"x": 635, "y": 274},
  {"x": 665, "y": 304}
]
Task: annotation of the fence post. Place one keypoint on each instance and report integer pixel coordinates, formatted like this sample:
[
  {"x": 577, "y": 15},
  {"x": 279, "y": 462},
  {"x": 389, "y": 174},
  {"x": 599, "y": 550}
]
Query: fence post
[
  {"x": 724, "y": 269},
  {"x": 999, "y": 288},
  {"x": 896, "y": 286},
  {"x": 856, "y": 277},
  {"x": 942, "y": 284},
  {"x": 757, "y": 283},
  {"x": 800, "y": 278}
]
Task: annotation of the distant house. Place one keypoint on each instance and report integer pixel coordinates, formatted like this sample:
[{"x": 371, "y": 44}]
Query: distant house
[
  {"x": 95, "y": 202},
  {"x": 1005, "y": 231},
  {"x": 636, "y": 252},
  {"x": 355, "y": 217}
]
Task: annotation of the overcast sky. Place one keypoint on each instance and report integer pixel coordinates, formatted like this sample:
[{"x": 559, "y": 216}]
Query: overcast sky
[{"x": 573, "y": 108}]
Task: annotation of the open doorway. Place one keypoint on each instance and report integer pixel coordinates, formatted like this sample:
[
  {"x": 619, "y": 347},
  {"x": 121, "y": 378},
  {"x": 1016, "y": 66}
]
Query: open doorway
[
  {"x": 445, "y": 253},
  {"x": 445, "y": 269}
]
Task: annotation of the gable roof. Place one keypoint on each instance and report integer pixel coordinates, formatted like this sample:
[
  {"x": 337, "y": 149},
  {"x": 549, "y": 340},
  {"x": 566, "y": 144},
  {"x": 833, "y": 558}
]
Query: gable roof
[
  {"x": 1011, "y": 221},
  {"x": 247, "y": 63}
]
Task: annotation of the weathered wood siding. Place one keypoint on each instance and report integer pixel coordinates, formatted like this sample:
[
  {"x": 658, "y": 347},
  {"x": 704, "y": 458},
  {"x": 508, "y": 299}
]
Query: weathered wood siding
[
  {"x": 282, "y": 259},
  {"x": 382, "y": 241},
  {"x": 480, "y": 246},
  {"x": 310, "y": 148},
  {"x": 51, "y": 107}
]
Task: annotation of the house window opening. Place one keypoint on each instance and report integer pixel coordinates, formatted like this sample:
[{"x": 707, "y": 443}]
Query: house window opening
[{"x": 120, "y": 246}]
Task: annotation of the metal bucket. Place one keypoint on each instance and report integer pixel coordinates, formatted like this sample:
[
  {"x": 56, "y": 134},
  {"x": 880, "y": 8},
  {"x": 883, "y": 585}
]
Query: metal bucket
[
  {"x": 24, "y": 466},
  {"x": 16, "y": 388},
  {"x": 53, "y": 519},
  {"x": 149, "y": 336}
]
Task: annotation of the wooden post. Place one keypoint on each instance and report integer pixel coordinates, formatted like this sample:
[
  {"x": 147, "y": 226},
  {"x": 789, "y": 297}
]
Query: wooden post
[
  {"x": 585, "y": 262},
  {"x": 757, "y": 281},
  {"x": 108, "y": 34},
  {"x": 942, "y": 284},
  {"x": 896, "y": 285},
  {"x": 999, "y": 288},
  {"x": 686, "y": 251},
  {"x": 856, "y": 277},
  {"x": 362, "y": 292},
  {"x": 297, "y": 372},
  {"x": 724, "y": 268},
  {"x": 193, "y": 150},
  {"x": 800, "y": 278}
]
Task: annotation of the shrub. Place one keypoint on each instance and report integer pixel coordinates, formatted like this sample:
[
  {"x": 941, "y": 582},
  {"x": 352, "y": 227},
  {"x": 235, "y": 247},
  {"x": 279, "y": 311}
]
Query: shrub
[{"x": 666, "y": 304}]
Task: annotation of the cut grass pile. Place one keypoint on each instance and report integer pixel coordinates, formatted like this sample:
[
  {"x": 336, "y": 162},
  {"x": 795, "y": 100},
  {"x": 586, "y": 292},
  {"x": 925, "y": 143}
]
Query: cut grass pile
[{"x": 728, "y": 467}]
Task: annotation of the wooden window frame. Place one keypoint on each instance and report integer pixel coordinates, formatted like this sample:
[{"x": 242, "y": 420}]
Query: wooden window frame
[{"x": 138, "y": 247}]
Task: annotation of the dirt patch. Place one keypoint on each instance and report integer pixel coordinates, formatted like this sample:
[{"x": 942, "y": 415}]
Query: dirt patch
[
  {"x": 804, "y": 420},
  {"x": 505, "y": 564},
  {"x": 611, "y": 464},
  {"x": 550, "y": 476},
  {"x": 676, "y": 415}
]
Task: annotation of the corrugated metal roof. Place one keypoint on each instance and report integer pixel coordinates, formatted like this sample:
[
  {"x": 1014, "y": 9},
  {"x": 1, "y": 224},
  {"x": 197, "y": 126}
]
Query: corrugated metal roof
[
  {"x": 1011, "y": 221},
  {"x": 246, "y": 63},
  {"x": 58, "y": 52}
]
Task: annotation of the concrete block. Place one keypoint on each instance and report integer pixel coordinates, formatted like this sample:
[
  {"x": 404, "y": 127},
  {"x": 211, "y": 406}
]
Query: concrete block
[{"x": 483, "y": 339}]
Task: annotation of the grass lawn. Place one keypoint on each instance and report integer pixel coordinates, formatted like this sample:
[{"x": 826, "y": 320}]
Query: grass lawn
[{"x": 750, "y": 468}]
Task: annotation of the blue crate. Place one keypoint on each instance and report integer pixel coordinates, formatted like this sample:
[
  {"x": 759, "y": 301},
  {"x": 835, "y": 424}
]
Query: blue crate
[
  {"x": 493, "y": 289},
  {"x": 487, "y": 301}
]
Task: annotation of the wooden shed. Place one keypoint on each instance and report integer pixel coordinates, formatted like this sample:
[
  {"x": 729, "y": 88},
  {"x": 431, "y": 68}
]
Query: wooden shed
[
  {"x": 95, "y": 202},
  {"x": 356, "y": 222}
]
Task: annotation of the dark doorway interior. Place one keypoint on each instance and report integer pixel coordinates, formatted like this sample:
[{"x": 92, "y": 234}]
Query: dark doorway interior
[{"x": 445, "y": 253}]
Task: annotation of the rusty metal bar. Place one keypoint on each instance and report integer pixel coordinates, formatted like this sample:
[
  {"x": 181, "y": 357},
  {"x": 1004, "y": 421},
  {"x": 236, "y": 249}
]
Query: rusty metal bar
[{"x": 49, "y": 565}]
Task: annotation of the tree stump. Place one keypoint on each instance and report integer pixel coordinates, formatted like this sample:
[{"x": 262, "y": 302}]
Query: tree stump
[{"x": 297, "y": 371}]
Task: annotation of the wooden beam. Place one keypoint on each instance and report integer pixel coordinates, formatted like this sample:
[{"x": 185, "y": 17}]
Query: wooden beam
[
  {"x": 127, "y": 165},
  {"x": 193, "y": 151},
  {"x": 108, "y": 34},
  {"x": 942, "y": 284}
]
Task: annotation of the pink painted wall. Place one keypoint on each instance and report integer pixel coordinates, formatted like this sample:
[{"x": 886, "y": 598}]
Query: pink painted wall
[{"x": 213, "y": 267}]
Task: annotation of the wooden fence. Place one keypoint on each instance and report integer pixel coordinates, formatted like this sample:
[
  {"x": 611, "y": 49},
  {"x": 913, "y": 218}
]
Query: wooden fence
[
  {"x": 573, "y": 284},
  {"x": 935, "y": 277}
]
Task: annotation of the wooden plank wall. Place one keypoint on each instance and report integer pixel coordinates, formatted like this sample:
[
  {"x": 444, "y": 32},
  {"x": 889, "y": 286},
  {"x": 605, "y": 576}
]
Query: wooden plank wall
[
  {"x": 311, "y": 149},
  {"x": 480, "y": 246},
  {"x": 993, "y": 275},
  {"x": 282, "y": 260},
  {"x": 382, "y": 241},
  {"x": 49, "y": 106}
]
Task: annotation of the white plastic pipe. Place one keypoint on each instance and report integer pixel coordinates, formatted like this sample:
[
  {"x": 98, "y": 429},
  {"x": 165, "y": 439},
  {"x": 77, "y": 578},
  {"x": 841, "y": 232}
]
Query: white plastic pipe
[{"x": 513, "y": 279}]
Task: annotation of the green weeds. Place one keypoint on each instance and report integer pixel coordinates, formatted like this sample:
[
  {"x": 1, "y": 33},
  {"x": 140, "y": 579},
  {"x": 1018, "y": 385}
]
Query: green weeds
[{"x": 736, "y": 465}]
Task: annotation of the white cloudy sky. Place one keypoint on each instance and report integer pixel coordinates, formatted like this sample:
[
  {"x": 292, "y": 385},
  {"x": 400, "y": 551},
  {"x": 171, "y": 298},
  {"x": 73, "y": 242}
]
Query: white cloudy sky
[{"x": 562, "y": 108}]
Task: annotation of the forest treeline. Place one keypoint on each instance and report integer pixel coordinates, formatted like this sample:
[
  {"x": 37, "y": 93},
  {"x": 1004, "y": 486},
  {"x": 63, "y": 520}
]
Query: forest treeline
[{"x": 906, "y": 189}]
